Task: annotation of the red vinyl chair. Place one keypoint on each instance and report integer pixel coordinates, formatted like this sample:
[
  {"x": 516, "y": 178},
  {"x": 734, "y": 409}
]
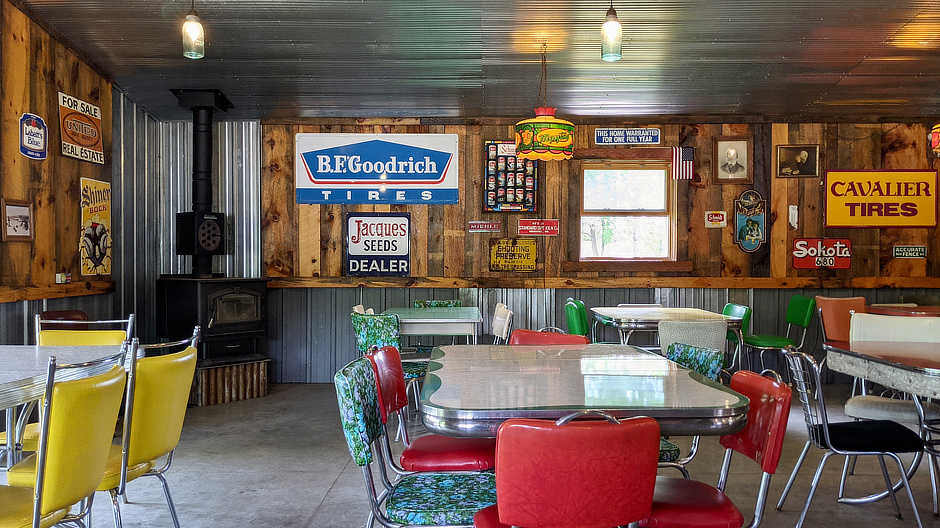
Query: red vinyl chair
[
  {"x": 522, "y": 336},
  {"x": 679, "y": 502},
  {"x": 430, "y": 452},
  {"x": 577, "y": 474}
]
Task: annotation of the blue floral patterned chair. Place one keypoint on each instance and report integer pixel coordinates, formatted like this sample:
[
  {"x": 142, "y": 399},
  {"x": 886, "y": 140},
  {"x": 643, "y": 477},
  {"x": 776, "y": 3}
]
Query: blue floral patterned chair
[
  {"x": 434, "y": 303},
  {"x": 707, "y": 362},
  {"x": 419, "y": 499}
]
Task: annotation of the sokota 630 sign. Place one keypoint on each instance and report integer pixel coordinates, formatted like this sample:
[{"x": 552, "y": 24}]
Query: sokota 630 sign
[{"x": 814, "y": 253}]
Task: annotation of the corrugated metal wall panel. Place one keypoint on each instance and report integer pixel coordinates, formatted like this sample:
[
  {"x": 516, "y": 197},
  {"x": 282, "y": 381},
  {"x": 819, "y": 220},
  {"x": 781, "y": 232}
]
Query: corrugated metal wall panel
[{"x": 238, "y": 194}]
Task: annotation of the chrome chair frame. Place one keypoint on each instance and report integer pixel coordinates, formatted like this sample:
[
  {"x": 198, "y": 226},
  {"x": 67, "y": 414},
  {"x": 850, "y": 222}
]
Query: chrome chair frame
[
  {"x": 808, "y": 384},
  {"x": 139, "y": 349},
  {"x": 128, "y": 329}
]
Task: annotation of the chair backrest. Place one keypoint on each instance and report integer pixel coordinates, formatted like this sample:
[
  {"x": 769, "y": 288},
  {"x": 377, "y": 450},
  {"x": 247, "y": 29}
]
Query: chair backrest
[
  {"x": 584, "y": 473},
  {"x": 761, "y": 439},
  {"x": 390, "y": 378},
  {"x": 804, "y": 372},
  {"x": 576, "y": 316},
  {"x": 374, "y": 331},
  {"x": 63, "y": 315},
  {"x": 834, "y": 315},
  {"x": 704, "y": 334},
  {"x": 872, "y": 327},
  {"x": 738, "y": 310},
  {"x": 359, "y": 309},
  {"x": 926, "y": 299},
  {"x": 357, "y": 395},
  {"x": 523, "y": 336},
  {"x": 705, "y": 361},
  {"x": 502, "y": 322},
  {"x": 93, "y": 334},
  {"x": 438, "y": 303},
  {"x": 157, "y": 396},
  {"x": 800, "y": 310},
  {"x": 77, "y": 428}
]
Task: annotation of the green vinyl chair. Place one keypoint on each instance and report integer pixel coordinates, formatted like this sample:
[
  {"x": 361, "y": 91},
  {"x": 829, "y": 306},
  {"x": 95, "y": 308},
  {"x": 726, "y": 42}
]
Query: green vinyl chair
[
  {"x": 576, "y": 316},
  {"x": 800, "y": 312},
  {"x": 744, "y": 312}
]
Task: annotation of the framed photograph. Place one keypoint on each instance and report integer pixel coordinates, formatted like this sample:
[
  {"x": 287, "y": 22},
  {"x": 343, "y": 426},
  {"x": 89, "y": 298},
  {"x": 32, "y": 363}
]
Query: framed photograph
[
  {"x": 17, "y": 219},
  {"x": 733, "y": 155},
  {"x": 797, "y": 161}
]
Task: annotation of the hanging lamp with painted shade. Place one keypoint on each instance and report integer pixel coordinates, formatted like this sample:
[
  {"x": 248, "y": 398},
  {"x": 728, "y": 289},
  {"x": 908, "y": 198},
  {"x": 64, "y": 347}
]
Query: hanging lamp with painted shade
[
  {"x": 544, "y": 137},
  {"x": 934, "y": 140}
]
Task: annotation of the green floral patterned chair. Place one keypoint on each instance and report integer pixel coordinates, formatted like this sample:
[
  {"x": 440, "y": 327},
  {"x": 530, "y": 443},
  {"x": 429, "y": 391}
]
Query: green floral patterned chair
[
  {"x": 708, "y": 363},
  {"x": 374, "y": 331},
  {"x": 419, "y": 499}
]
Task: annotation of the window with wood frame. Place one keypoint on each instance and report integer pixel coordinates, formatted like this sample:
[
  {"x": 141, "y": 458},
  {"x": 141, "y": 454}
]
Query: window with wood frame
[{"x": 627, "y": 211}]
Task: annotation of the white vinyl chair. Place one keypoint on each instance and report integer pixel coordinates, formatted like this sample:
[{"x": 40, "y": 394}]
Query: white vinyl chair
[{"x": 501, "y": 324}]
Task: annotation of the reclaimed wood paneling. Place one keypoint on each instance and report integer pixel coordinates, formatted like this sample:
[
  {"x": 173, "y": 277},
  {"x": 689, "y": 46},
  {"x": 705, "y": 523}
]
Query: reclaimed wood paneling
[
  {"x": 35, "y": 67},
  {"x": 445, "y": 255}
]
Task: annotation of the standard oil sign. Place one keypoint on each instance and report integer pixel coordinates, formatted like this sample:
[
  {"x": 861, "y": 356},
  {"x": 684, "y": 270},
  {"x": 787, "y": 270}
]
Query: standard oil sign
[{"x": 377, "y": 244}]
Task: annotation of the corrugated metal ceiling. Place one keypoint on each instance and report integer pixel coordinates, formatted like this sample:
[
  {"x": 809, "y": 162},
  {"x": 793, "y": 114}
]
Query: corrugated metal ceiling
[{"x": 734, "y": 59}]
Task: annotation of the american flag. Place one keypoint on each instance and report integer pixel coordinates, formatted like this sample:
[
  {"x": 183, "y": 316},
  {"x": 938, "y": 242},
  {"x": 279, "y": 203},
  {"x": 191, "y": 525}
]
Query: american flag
[{"x": 682, "y": 165}]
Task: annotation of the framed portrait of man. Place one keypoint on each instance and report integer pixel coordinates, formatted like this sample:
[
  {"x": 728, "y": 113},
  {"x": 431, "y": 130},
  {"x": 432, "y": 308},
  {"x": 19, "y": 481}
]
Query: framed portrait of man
[
  {"x": 733, "y": 155},
  {"x": 797, "y": 161}
]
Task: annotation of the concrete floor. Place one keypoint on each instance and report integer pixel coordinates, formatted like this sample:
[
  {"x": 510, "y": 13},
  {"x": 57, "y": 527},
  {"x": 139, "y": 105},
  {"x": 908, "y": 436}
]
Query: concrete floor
[{"x": 282, "y": 461}]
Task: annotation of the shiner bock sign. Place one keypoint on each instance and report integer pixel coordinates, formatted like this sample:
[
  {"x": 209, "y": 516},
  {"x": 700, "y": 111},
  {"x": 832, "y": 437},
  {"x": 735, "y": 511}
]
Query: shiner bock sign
[
  {"x": 376, "y": 168},
  {"x": 377, "y": 244}
]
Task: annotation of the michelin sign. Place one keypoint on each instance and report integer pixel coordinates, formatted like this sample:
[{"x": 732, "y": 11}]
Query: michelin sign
[{"x": 376, "y": 168}]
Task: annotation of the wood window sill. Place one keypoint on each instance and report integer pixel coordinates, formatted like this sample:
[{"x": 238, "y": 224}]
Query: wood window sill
[{"x": 637, "y": 265}]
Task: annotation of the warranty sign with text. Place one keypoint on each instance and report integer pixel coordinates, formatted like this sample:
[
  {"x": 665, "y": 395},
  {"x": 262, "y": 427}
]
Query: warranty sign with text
[
  {"x": 80, "y": 126},
  {"x": 875, "y": 198}
]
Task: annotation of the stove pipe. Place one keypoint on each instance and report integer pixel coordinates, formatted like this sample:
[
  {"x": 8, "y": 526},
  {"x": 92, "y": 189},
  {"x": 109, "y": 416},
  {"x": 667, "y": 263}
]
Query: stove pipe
[{"x": 202, "y": 103}]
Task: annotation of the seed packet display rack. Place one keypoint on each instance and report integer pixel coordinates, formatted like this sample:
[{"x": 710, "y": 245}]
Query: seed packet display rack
[{"x": 510, "y": 184}]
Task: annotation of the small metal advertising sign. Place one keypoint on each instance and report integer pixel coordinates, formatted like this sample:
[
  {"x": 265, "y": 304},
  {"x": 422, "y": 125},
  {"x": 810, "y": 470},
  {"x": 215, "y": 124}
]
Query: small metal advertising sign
[
  {"x": 33, "y": 136},
  {"x": 909, "y": 251},
  {"x": 80, "y": 128},
  {"x": 626, "y": 136},
  {"x": 538, "y": 227},
  {"x": 481, "y": 226},
  {"x": 749, "y": 220},
  {"x": 512, "y": 254},
  {"x": 377, "y": 244},
  {"x": 815, "y": 253},
  {"x": 714, "y": 219}
]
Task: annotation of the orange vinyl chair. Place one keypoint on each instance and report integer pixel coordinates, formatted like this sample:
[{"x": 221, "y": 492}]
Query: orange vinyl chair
[
  {"x": 584, "y": 474},
  {"x": 680, "y": 502},
  {"x": 430, "y": 452},
  {"x": 835, "y": 315},
  {"x": 522, "y": 336}
]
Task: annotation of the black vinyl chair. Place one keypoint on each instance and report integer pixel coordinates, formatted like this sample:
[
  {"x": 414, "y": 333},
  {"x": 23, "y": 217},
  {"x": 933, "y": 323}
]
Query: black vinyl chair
[{"x": 881, "y": 438}]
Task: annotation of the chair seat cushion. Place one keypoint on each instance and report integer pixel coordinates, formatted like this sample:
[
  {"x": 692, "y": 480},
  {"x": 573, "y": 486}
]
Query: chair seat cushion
[
  {"x": 488, "y": 518},
  {"x": 414, "y": 369},
  {"x": 30, "y": 437},
  {"x": 685, "y": 503},
  {"x": 872, "y": 407},
  {"x": 112, "y": 472},
  {"x": 768, "y": 341},
  {"x": 668, "y": 451},
  {"x": 440, "y": 498},
  {"x": 16, "y": 509},
  {"x": 443, "y": 453},
  {"x": 874, "y": 435}
]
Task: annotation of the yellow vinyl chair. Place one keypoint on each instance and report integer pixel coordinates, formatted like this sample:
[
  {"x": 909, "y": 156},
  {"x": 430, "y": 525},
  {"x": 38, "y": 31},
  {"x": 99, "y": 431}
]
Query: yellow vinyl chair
[
  {"x": 55, "y": 336},
  {"x": 90, "y": 336},
  {"x": 78, "y": 424},
  {"x": 157, "y": 394}
]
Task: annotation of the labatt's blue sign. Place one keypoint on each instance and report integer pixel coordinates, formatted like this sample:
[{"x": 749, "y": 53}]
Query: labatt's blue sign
[{"x": 376, "y": 168}]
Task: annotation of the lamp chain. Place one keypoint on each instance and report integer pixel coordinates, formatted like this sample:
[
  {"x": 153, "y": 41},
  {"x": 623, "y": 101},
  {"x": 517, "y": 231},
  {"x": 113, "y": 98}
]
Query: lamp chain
[{"x": 543, "y": 79}]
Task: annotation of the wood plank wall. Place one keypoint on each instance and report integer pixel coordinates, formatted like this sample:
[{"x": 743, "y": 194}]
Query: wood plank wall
[
  {"x": 36, "y": 66},
  {"x": 303, "y": 244}
]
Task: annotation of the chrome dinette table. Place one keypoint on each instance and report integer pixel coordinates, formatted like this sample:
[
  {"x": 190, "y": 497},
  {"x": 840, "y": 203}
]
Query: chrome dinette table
[
  {"x": 629, "y": 319},
  {"x": 23, "y": 376},
  {"x": 471, "y": 389},
  {"x": 440, "y": 321}
]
